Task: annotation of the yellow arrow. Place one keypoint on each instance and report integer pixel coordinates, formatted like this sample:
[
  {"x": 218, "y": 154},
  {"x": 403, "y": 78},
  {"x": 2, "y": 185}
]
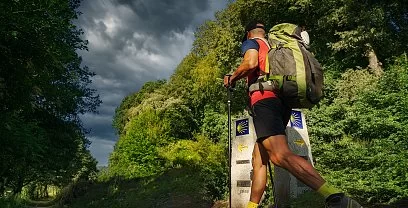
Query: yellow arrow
[
  {"x": 241, "y": 147},
  {"x": 299, "y": 142}
]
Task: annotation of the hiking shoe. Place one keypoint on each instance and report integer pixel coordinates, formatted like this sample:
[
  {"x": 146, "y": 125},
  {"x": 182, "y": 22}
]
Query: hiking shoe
[{"x": 341, "y": 201}]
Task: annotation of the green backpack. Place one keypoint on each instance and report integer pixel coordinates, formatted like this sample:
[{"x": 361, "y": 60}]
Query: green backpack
[{"x": 293, "y": 74}]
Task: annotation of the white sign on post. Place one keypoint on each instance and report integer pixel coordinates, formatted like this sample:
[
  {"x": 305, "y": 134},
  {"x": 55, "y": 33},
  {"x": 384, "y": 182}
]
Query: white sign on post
[
  {"x": 244, "y": 137},
  {"x": 243, "y": 142}
]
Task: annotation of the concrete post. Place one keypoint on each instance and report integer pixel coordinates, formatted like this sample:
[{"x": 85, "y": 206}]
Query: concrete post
[{"x": 243, "y": 140}]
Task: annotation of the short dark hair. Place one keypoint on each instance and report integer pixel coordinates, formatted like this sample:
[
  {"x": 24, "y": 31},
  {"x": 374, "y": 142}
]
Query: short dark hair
[{"x": 252, "y": 25}]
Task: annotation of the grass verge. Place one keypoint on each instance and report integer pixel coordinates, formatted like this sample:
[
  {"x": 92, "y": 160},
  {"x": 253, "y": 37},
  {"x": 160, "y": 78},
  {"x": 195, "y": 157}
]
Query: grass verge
[{"x": 176, "y": 188}]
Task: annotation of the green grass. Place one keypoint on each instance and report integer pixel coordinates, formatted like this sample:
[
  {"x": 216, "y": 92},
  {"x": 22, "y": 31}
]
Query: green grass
[
  {"x": 308, "y": 200},
  {"x": 176, "y": 188},
  {"x": 12, "y": 202}
]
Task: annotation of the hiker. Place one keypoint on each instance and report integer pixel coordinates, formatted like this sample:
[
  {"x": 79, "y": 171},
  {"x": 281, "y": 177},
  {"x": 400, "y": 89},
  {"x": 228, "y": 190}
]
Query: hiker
[{"x": 270, "y": 117}]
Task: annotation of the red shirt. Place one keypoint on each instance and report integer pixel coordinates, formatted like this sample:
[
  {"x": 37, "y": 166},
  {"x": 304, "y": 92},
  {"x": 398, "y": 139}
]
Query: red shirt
[{"x": 262, "y": 47}]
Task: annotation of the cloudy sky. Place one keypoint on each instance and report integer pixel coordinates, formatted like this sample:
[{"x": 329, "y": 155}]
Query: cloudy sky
[{"x": 132, "y": 42}]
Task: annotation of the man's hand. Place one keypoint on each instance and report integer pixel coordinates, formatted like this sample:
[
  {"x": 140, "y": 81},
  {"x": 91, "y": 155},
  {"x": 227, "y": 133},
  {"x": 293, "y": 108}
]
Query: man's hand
[
  {"x": 248, "y": 65},
  {"x": 227, "y": 81}
]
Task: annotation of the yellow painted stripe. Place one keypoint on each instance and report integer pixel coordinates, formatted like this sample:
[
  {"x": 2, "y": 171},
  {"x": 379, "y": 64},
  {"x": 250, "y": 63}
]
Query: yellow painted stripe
[{"x": 267, "y": 63}]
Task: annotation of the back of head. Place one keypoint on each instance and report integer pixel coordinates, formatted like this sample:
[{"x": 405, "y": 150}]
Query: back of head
[{"x": 255, "y": 28}]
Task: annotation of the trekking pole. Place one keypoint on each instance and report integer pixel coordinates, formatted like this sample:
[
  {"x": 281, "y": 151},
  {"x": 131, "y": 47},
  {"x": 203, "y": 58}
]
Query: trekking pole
[
  {"x": 273, "y": 185},
  {"x": 229, "y": 89}
]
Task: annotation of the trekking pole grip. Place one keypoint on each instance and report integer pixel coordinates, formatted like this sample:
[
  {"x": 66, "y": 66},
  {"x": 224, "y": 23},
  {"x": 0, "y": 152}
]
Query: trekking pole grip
[{"x": 230, "y": 87}]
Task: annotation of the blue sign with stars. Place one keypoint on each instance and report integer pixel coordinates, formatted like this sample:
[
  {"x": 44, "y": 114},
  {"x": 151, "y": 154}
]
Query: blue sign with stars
[
  {"x": 241, "y": 127},
  {"x": 296, "y": 119}
]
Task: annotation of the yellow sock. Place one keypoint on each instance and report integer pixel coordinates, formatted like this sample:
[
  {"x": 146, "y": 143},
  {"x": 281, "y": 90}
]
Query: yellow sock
[
  {"x": 252, "y": 205},
  {"x": 327, "y": 190}
]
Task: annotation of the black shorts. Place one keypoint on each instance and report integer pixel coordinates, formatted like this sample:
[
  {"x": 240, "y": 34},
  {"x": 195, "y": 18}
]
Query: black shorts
[{"x": 270, "y": 118}]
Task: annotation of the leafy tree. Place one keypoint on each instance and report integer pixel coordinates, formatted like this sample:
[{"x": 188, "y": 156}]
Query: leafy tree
[
  {"x": 43, "y": 90},
  {"x": 156, "y": 122},
  {"x": 357, "y": 29},
  {"x": 121, "y": 115}
]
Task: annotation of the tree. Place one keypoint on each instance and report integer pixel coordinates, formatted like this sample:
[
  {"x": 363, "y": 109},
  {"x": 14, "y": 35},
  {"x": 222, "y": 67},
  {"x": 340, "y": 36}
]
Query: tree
[
  {"x": 43, "y": 90},
  {"x": 352, "y": 30},
  {"x": 121, "y": 112}
]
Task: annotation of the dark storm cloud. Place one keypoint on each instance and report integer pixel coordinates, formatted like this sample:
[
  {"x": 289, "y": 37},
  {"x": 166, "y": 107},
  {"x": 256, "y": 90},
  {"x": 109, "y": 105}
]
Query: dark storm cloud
[
  {"x": 162, "y": 16},
  {"x": 132, "y": 42},
  {"x": 101, "y": 149},
  {"x": 157, "y": 19}
]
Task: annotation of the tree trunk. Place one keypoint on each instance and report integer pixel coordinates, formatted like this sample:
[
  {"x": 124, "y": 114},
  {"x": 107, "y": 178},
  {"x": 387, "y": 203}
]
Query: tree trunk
[{"x": 374, "y": 65}]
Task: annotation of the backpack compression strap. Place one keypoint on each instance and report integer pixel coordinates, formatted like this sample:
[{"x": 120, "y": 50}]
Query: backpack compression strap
[{"x": 273, "y": 83}]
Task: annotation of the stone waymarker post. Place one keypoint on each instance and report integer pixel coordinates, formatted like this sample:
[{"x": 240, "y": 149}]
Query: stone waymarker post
[{"x": 243, "y": 140}]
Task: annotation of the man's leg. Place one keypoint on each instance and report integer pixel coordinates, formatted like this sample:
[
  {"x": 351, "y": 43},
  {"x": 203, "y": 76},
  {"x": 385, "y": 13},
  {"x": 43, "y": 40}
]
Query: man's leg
[
  {"x": 271, "y": 117},
  {"x": 280, "y": 155},
  {"x": 259, "y": 163}
]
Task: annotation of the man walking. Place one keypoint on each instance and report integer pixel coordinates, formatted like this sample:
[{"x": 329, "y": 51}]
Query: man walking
[{"x": 270, "y": 119}]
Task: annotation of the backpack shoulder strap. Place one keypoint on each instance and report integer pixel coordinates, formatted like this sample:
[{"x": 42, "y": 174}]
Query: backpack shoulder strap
[
  {"x": 265, "y": 41},
  {"x": 266, "y": 58}
]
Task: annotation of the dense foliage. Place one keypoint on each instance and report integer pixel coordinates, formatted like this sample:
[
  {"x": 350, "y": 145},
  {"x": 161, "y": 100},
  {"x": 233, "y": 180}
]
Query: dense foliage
[
  {"x": 359, "y": 131},
  {"x": 360, "y": 138},
  {"x": 43, "y": 90}
]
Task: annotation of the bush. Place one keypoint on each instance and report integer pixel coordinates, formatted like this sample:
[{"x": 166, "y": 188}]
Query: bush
[
  {"x": 359, "y": 139},
  {"x": 203, "y": 155},
  {"x": 12, "y": 202}
]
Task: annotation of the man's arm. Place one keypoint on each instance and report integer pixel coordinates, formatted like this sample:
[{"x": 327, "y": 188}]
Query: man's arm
[{"x": 248, "y": 64}]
